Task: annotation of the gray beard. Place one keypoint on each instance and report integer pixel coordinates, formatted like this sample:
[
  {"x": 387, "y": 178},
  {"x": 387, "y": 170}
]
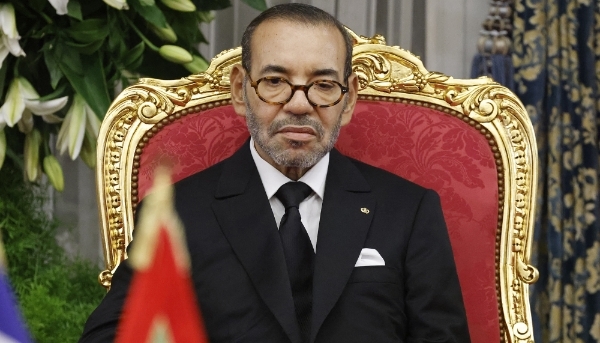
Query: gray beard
[{"x": 281, "y": 156}]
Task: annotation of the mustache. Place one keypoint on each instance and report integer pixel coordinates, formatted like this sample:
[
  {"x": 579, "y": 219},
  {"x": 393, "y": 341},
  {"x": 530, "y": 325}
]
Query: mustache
[
  {"x": 296, "y": 121},
  {"x": 299, "y": 120}
]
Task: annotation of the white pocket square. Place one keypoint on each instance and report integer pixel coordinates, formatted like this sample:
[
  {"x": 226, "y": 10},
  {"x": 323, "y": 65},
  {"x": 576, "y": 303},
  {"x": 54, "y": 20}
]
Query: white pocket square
[{"x": 369, "y": 257}]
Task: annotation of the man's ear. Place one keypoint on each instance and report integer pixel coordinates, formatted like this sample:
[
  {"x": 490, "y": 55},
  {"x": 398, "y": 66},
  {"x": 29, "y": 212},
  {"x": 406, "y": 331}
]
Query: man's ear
[
  {"x": 352, "y": 96},
  {"x": 236, "y": 81}
]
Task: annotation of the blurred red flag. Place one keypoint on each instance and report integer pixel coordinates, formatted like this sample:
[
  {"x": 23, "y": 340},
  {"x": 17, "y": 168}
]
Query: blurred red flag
[{"x": 161, "y": 304}]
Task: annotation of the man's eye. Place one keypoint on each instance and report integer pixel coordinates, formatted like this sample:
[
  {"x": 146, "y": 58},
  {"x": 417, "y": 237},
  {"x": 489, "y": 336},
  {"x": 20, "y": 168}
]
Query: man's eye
[
  {"x": 324, "y": 86},
  {"x": 273, "y": 82}
]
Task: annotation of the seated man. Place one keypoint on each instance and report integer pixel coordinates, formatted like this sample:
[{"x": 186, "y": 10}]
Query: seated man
[{"x": 289, "y": 240}]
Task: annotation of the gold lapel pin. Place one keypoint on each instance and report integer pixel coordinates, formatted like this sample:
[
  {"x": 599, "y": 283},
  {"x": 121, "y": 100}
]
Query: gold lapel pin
[{"x": 365, "y": 210}]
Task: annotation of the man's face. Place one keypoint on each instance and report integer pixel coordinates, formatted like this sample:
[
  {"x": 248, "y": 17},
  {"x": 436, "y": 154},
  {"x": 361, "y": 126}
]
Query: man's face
[
  {"x": 297, "y": 131},
  {"x": 295, "y": 134}
]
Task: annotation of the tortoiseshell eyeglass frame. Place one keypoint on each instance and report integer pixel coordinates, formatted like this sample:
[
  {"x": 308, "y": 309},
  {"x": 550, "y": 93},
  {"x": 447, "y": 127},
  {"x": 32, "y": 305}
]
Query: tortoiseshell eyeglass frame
[{"x": 294, "y": 88}]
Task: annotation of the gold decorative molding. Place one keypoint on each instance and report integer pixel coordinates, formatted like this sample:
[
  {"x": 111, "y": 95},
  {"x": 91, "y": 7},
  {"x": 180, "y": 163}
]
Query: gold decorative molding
[
  {"x": 385, "y": 73},
  {"x": 141, "y": 109}
]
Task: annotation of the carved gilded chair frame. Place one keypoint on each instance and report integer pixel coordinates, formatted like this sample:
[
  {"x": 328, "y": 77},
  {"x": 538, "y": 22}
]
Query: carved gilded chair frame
[{"x": 385, "y": 73}]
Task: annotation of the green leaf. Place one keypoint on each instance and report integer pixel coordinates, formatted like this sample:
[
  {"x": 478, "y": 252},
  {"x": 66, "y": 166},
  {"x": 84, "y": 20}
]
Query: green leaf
[
  {"x": 134, "y": 57},
  {"x": 86, "y": 48},
  {"x": 74, "y": 10},
  {"x": 65, "y": 55},
  {"x": 55, "y": 73},
  {"x": 187, "y": 29},
  {"x": 88, "y": 30},
  {"x": 151, "y": 13},
  {"x": 96, "y": 89},
  {"x": 46, "y": 31},
  {"x": 3, "y": 76},
  {"x": 260, "y": 5},
  {"x": 91, "y": 84},
  {"x": 60, "y": 91},
  {"x": 116, "y": 42}
]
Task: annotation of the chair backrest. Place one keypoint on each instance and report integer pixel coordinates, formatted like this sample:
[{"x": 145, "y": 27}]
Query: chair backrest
[{"x": 470, "y": 140}]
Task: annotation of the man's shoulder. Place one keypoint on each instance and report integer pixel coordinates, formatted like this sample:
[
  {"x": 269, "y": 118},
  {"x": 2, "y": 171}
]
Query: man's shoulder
[
  {"x": 204, "y": 181},
  {"x": 379, "y": 178},
  {"x": 212, "y": 173}
]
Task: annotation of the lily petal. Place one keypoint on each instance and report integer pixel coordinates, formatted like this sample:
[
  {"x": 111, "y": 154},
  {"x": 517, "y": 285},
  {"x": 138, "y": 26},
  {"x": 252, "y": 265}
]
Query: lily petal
[
  {"x": 26, "y": 123},
  {"x": 8, "y": 24},
  {"x": 27, "y": 90},
  {"x": 3, "y": 53},
  {"x": 13, "y": 107},
  {"x": 72, "y": 130},
  {"x": 13, "y": 46},
  {"x": 42, "y": 108},
  {"x": 88, "y": 151},
  {"x": 118, "y": 4},
  {"x": 60, "y": 6},
  {"x": 62, "y": 143},
  {"x": 92, "y": 124},
  {"x": 51, "y": 119}
]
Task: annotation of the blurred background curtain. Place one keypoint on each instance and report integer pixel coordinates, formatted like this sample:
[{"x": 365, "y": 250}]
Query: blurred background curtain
[
  {"x": 557, "y": 74},
  {"x": 494, "y": 58}
]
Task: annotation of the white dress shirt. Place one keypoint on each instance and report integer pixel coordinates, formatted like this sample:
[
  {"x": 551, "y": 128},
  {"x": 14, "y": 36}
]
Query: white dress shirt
[{"x": 310, "y": 208}]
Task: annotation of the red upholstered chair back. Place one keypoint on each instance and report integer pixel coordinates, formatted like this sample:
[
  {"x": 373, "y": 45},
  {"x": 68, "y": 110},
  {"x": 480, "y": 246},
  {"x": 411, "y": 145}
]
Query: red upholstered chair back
[
  {"x": 426, "y": 146},
  {"x": 470, "y": 140},
  {"x": 441, "y": 152},
  {"x": 192, "y": 144}
]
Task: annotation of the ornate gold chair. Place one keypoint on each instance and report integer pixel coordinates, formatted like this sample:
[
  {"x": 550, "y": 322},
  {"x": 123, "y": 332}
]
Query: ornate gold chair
[{"x": 470, "y": 140}]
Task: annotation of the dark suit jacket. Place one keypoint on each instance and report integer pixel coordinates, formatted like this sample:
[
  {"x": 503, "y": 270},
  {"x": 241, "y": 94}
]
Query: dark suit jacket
[{"x": 240, "y": 274}]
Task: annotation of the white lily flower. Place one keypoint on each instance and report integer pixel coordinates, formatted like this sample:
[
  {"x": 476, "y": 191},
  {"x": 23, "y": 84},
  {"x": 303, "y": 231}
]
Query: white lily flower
[
  {"x": 9, "y": 36},
  {"x": 60, "y": 6},
  {"x": 46, "y": 109},
  {"x": 118, "y": 4},
  {"x": 72, "y": 130},
  {"x": 14, "y": 105},
  {"x": 22, "y": 100}
]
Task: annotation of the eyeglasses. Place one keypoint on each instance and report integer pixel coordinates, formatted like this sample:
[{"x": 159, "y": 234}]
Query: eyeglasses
[{"x": 278, "y": 91}]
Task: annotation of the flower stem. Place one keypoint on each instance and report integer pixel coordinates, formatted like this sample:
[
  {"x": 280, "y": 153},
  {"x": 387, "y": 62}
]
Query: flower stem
[
  {"x": 141, "y": 35},
  {"x": 46, "y": 18}
]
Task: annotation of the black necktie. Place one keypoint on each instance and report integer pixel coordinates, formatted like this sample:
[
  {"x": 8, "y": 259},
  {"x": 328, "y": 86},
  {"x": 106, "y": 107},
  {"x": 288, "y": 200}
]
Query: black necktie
[{"x": 299, "y": 253}]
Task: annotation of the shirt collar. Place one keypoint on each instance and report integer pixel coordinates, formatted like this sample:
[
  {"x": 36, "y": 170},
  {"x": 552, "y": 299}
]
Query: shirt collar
[{"x": 272, "y": 178}]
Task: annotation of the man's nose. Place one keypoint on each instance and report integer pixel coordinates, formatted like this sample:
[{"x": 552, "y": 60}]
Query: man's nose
[{"x": 298, "y": 104}]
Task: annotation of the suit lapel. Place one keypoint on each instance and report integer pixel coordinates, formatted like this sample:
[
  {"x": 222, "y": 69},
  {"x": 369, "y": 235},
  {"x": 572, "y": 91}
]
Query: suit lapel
[
  {"x": 348, "y": 207},
  {"x": 246, "y": 218}
]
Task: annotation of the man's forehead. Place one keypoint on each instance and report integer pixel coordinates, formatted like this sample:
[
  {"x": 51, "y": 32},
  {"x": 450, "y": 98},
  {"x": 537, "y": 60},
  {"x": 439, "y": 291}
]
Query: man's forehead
[
  {"x": 297, "y": 27},
  {"x": 274, "y": 68},
  {"x": 277, "y": 42}
]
